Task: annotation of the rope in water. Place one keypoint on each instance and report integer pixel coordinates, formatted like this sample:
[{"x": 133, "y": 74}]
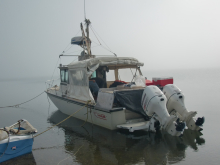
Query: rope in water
[
  {"x": 70, "y": 156},
  {"x": 8, "y": 142},
  {"x": 17, "y": 105},
  {"x": 86, "y": 105}
]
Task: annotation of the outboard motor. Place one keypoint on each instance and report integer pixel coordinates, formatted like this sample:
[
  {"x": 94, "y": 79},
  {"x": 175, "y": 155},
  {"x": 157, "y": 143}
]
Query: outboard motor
[
  {"x": 154, "y": 104},
  {"x": 175, "y": 105}
]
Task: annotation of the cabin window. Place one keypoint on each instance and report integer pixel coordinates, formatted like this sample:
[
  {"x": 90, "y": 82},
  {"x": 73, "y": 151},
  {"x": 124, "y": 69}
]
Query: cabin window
[
  {"x": 123, "y": 74},
  {"x": 93, "y": 74},
  {"x": 64, "y": 77},
  {"x": 127, "y": 74},
  {"x": 110, "y": 75}
]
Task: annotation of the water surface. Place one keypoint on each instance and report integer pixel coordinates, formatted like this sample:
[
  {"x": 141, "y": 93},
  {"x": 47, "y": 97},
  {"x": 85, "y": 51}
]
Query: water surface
[{"x": 69, "y": 144}]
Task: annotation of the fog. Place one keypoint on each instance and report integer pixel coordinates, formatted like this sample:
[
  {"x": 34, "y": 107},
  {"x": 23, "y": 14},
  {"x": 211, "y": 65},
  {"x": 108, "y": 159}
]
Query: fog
[{"x": 167, "y": 34}]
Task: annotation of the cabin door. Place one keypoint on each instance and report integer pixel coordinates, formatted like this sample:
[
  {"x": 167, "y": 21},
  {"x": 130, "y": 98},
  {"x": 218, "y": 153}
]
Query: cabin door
[{"x": 64, "y": 78}]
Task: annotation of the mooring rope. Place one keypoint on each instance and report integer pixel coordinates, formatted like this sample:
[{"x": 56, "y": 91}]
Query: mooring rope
[
  {"x": 70, "y": 156},
  {"x": 86, "y": 105},
  {"x": 17, "y": 105},
  {"x": 68, "y": 118},
  {"x": 8, "y": 142}
]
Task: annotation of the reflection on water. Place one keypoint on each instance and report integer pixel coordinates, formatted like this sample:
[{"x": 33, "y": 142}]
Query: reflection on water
[
  {"x": 95, "y": 145},
  {"x": 26, "y": 159},
  {"x": 102, "y": 146}
]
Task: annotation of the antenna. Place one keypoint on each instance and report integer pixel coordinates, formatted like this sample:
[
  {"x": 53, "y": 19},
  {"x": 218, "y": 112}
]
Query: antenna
[{"x": 85, "y": 9}]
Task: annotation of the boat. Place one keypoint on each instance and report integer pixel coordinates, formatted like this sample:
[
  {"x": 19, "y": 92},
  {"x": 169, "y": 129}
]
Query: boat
[
  {"x": 16, "y": 140},
  {"x": 137, "y": 104},
  {"x": 104, "y": 146}
]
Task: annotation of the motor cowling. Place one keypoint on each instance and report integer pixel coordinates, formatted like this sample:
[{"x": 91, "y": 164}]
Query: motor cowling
[
  {"x": 176, "y": 105},
  {"x": 154, "y": 104}
]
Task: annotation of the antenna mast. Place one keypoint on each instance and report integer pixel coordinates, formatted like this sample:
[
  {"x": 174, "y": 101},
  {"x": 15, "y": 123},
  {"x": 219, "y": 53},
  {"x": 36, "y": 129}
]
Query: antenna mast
[
  {"x": 84, "y": 9},
  {"x": 84, "y": 41},
  {"x": 86, "y": 37}
]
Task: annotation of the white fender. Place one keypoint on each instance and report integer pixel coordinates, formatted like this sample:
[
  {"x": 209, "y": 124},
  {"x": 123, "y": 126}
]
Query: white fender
[
  {"x": 176, "y": 105},
  {"x": 154, "y": 104}
]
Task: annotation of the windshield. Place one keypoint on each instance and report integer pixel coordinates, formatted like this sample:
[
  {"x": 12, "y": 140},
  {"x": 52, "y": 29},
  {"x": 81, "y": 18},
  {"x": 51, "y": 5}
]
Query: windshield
[{"x": 126, "y": 74}]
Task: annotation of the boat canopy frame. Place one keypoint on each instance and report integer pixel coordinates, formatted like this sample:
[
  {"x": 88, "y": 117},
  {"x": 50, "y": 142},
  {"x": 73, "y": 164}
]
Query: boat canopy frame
[{"x": 80, "y": 71}]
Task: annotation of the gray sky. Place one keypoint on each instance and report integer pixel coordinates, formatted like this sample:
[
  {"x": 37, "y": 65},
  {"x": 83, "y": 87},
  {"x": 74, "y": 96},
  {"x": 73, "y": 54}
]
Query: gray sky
[{"x": 162, "y": 34}]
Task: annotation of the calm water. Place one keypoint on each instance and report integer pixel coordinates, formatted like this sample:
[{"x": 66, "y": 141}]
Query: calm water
[{"x": 68, "y": 144}]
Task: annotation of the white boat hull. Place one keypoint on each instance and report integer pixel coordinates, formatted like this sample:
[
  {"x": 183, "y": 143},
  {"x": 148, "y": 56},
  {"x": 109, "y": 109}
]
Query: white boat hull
[{"x": 106, "y": 119}]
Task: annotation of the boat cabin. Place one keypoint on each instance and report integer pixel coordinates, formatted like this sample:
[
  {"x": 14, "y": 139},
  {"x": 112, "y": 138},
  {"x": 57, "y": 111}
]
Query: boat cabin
[{"x": 78, "y": 78}]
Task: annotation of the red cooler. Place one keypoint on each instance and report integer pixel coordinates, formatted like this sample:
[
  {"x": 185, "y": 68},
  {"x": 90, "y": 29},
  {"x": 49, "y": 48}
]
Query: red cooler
[
  {"x": 148, "y": 82},
  {"x": 162, "y": 81}
]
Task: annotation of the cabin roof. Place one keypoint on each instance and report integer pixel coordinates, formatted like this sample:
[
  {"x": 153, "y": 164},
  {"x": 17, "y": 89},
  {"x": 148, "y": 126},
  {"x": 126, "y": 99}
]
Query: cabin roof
[{"x": 111, "y": 62}]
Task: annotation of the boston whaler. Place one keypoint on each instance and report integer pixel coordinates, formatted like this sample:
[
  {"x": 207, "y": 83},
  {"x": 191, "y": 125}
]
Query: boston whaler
[{"x": 137, "y": 104}]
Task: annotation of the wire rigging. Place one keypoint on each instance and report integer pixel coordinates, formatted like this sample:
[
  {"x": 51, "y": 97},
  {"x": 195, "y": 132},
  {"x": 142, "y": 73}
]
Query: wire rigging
[
  {"x": 108, "y": 49},
  {"x": 69, "y": 48},
  {"x": 95, "y": 35},
  {"x": 54, "y": 69},
  {"x": 100, "y": 37},
  {"x": 134, "y": 75},
  {"x": 69, "y": 44},
  {"x": 66, "y": 46},
  {"x": 103, "y": 47}
]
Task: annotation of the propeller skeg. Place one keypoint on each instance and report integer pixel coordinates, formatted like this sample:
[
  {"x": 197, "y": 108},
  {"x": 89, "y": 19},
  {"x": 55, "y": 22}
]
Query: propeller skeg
[
  {"x": 200, "y": 121},
  {"x": 180, "y": 126}
]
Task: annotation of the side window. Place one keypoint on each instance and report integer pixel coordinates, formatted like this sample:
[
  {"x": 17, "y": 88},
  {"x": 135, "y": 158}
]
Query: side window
[
  {"x": 64, "y": 75},
  {"x": 93, "y": 74}
]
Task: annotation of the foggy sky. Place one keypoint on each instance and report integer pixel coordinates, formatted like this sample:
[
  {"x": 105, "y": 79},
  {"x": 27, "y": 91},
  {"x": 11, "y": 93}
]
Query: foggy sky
[{"x": 169, "y": 34}]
